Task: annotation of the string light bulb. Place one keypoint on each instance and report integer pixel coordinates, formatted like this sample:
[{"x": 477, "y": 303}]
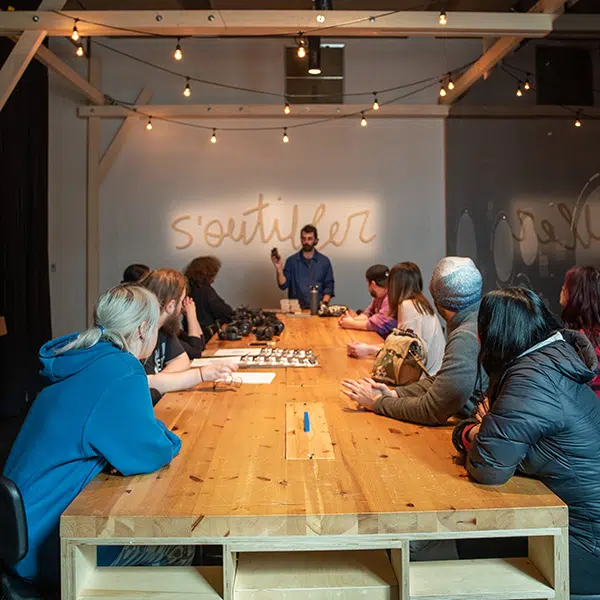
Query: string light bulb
[
  {"x": 527, "y": 85},
  {"x": 80, "y": 51},
  {"x": 320, "y": 18},
  {"x": 375, "y": 102},
  {"x": 149, "y": 124},
  {"x": 178, "y": 54},
  {"x": 285, "y": 138},
  {"x": 519, "y": 91},
  {"x": 442, "y": 91},
  {"x": 286, "y": 109},
  {"x": 363, "y": 121},
  {"x": 75, "y": 35},
  {"x": 450, "y": 82},
  {"x": 187, "y": 92},
  {"x": 443, "y": 18},
  {"x": 577, "y": 121},
  {"x": 301, "y": 52},
  {"x": 213, "y": 137}
]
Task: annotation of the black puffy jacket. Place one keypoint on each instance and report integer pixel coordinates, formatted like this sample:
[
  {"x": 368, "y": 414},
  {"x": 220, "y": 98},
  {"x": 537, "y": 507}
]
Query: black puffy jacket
[{"x": 545, "y": 422}]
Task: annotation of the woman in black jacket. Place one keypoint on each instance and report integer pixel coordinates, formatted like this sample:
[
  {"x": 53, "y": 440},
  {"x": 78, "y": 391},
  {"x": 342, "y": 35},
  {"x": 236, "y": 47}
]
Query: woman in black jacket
[
  {"x": 210, "y": 307},
  {"x": 544, "y": 420}
]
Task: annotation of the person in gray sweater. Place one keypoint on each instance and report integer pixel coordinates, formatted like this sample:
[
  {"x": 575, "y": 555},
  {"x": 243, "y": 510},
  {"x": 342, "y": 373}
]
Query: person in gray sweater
[{"x": 456, "y": 290}]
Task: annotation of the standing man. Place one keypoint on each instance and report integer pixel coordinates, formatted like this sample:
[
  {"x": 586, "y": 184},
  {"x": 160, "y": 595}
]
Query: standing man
[{"x": 306, "y": 268}]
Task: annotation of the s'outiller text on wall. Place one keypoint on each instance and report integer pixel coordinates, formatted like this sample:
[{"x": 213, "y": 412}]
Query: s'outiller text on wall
[{"x": 255, "y": 222}]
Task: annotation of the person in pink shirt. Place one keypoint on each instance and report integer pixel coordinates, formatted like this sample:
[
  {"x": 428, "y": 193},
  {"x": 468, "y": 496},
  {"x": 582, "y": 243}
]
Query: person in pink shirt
[
  {"x": 580, "y": 300},
  {"x": 376, "y": 317},
  {"x": 410, "y": 310}
]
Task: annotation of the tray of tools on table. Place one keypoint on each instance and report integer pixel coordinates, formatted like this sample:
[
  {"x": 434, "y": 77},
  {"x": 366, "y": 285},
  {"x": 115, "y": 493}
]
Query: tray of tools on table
[{"x": 280, "y": 357}]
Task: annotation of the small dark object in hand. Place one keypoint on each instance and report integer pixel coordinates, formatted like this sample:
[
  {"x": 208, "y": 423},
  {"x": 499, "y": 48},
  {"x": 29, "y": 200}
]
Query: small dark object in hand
[{"x": 275, "y": 254}]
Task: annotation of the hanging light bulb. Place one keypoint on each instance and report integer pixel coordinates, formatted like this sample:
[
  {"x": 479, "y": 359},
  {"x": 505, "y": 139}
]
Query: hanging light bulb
[
  {"x": 149, "y": 124},
  {"x": 75, "y": 35},
  {"x": 519, "y": 91},
  {"x": 443, "y": 18},
  {"x": 450, "y": 82},
  {"x": 286, "y": 109},
  {"x": 577, "y": 121},
  {"x": 178, "y": 54},
  {"x": 80, "y": 51},
  {"x": 375, "y": 102},
  {"x": 527, "y": 85},
  {"x": 301, "y": 52},
  {"x": 213, "y": 137},
  {"x": 363, "y": 121},
  {"x": 285, "y": 138},
  {"x": 442, "y": 91},
  {"x": 187, "y": 92}
]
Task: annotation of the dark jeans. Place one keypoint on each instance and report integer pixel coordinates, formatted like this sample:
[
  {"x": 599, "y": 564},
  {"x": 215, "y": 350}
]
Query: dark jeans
[{"x": 584, "y": 570}]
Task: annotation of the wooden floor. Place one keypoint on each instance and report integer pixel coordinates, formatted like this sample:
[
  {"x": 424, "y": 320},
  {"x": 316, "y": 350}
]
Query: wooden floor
[{"x": 249, "y": 477}]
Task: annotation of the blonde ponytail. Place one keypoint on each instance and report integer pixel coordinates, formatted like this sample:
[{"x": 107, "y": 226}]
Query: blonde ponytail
[{"x": 118, "y": 314}]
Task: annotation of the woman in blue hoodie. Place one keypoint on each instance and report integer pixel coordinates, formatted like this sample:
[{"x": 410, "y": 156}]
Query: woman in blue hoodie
[{"x": 81, "y": 421}]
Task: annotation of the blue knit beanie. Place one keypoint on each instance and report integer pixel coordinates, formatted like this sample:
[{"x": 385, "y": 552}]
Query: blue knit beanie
[{"x": 456, "y": 283}]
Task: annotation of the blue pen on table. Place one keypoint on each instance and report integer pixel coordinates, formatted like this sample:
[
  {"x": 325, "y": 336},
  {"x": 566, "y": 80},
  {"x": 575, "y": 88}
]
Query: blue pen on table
[{"x": 306, "y": 423}]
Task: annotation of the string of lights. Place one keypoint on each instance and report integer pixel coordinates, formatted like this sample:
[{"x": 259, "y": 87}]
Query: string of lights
[
  {"x": 213, "y": 138},
  {"x": 525, "y": 85},
  {"x": 283, "y": 96},
  {"x": 304, "y": 41},
  {"x": 320, "y": 18}
]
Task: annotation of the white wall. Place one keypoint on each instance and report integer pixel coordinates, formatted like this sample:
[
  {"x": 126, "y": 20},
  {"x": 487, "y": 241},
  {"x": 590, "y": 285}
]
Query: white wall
[{"x": 393, "y": 168}]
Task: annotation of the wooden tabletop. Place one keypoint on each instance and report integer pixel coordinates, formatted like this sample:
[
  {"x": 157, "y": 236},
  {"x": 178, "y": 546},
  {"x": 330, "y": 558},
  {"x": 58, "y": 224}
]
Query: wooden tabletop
[{"x": 245, "y": 468}]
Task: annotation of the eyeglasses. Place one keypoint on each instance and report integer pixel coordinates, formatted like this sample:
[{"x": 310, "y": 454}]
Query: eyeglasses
[{"x": 231, "y": 383}]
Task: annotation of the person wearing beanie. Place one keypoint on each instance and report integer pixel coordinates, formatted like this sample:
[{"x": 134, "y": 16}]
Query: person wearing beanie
[
  {"x": 456, "y": 287},
  {"x": 376, "y": 317}
]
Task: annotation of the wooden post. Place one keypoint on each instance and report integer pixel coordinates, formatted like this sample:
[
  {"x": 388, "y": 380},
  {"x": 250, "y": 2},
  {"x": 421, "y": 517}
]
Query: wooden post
[{"x": 93, "y": 198}]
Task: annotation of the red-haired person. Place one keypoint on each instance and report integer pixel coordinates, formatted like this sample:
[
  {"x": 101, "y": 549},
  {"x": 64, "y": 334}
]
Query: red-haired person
[{"x": 580, "y": 299}]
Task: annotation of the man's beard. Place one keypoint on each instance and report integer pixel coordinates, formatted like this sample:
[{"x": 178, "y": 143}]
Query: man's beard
[
  {"x": 308, "y": 247},
  {"x": 172, "y": 325}
]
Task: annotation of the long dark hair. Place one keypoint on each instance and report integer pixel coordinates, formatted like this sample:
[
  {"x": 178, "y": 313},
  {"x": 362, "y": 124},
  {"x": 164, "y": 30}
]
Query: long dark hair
[
  {"x": 582, "y": 308},
  {"x": 510, "y": 321},
  {"x": 405, "y": 282}
]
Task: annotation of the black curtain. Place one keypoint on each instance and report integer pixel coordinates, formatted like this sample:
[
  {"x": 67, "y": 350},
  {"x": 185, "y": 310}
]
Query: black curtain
[{"x": 24, "y": 280}]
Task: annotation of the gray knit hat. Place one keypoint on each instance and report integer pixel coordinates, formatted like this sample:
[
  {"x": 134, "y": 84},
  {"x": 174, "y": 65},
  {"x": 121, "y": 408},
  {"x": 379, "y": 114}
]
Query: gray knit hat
[{"x": 456, "y": 283}]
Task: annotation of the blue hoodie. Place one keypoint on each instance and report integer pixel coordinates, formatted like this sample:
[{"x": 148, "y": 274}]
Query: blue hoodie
[{"x": 96, "y": 409}]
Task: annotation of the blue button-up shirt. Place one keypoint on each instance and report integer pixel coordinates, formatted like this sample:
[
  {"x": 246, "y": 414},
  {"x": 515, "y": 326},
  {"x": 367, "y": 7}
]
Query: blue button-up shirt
[{"x": 302, "y": 274}]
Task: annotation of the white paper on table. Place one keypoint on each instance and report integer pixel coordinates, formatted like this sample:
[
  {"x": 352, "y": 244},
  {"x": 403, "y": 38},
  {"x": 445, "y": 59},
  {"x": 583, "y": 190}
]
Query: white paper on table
[
  {"x": 211, "y": 360},
  {"x": 254, "y": 377},
  {"x": 238, "y": 352}
]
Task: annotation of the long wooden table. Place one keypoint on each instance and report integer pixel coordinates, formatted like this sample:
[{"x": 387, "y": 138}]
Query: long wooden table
[{"x": 310, "y": 515}]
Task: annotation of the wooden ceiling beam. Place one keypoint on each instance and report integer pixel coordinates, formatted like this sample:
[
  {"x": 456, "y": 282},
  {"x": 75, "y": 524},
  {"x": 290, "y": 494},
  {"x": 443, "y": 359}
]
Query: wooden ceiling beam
[
  {"x": 498, "y": 50},
  {"x": 265, "y": 111},
  {"x": 48, "y": 58},
  {"x": 22, "y": 53},
  {"x": 339, "y": 23}
]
